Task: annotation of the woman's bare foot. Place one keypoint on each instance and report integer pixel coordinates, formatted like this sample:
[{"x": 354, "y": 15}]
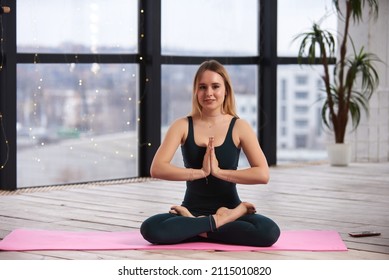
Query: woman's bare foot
[
  {"x": 180, "y": 210},
  {"x": 225, "y": 215},
  {"x": 250, "y": 207}
]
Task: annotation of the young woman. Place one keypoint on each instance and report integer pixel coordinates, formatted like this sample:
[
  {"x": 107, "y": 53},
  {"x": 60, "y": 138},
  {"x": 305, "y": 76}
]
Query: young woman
[{"x": 211, "y": 139}]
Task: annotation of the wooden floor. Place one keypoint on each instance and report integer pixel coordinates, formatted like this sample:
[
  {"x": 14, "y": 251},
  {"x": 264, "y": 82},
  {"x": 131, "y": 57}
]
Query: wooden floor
[{"x": 315, "y": 196}]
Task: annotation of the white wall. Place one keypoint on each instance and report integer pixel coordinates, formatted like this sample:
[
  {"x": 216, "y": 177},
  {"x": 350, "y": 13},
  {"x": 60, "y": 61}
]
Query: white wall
[{"x": 371, "y": 139}]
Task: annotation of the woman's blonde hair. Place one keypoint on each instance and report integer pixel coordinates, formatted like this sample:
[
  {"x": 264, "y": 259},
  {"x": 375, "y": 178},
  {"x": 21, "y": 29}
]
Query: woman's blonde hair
[{"x": 229, "y": 101}]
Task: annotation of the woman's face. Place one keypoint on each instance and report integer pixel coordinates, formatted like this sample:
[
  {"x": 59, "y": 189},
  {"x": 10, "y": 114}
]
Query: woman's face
[{"x": 211, "y": 91}]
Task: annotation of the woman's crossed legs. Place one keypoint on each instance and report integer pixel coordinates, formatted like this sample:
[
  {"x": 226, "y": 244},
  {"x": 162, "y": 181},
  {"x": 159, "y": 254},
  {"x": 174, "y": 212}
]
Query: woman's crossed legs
[{"x": 238, "y": 226}]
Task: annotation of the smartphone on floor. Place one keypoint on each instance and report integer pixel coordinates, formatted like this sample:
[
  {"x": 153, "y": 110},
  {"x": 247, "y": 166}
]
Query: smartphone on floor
[{"x": 364, "y": 233}]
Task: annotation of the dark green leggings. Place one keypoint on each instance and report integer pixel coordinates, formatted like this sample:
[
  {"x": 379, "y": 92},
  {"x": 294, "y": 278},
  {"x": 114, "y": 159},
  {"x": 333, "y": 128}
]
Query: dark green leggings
[{"x": 250, "y": 230}]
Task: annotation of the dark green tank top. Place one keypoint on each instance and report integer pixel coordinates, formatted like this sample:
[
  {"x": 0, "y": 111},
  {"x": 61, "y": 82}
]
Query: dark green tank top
[{"x": 204, "y": 197}]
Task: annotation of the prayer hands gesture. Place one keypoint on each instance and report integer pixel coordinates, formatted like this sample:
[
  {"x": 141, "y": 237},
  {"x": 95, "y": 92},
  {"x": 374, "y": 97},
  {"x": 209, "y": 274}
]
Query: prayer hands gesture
[{"x": 210, "y": 162}]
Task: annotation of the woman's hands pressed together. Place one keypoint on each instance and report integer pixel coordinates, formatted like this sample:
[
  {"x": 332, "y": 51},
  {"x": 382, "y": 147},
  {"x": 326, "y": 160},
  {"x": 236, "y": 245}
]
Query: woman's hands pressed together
[{"x": 210, "y": 162}]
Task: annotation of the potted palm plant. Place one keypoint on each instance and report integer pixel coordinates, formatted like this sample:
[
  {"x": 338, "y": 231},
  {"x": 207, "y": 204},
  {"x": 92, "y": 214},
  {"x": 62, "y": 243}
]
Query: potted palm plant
[{"x": 354, "y": 78}]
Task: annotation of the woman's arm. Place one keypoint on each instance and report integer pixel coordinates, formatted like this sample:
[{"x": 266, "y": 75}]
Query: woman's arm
[
  {"x": 258, "y": 172},
  {"x": 161, "y": 166}
]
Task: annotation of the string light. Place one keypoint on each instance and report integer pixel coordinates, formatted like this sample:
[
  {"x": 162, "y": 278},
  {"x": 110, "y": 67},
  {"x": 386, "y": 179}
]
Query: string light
[
  {"x": 4, "y": 136},
  {"x": 36, "y": 58},
  {"x": 1, "y": 43},
  {"x": 3, "y": 164},
  {"x": 142, "y": 60},
  {"x": 145, "y": 144}
]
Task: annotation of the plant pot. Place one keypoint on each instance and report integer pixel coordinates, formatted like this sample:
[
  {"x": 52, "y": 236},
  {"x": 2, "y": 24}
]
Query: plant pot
[{"x": 339, "y": 154}]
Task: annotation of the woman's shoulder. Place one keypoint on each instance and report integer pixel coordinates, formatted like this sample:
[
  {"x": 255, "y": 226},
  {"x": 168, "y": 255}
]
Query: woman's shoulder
[
  {"x": 178, "y": 129},
  {"x": 243, "y": 128},
  {"x": 180, "y": 121},
  {"x": 242, "y": 124},
  {"x": 180, "y": 124}
]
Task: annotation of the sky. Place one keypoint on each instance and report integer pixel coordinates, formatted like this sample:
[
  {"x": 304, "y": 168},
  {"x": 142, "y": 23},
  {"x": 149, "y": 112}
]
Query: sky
[{"x": 186, "y": 24}]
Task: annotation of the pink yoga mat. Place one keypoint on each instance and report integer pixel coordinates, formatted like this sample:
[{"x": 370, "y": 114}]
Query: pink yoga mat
[{"x": 29, "y": 240}]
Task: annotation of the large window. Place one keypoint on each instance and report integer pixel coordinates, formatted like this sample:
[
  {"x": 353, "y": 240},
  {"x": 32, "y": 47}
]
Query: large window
[
  {"x": 96, "y": 80},
  {"x": 208, "y": 28},
  {"x": 300, "y": 113},
  {"x": 299, "y": 127},
  {"x": 76, "y": 122}
]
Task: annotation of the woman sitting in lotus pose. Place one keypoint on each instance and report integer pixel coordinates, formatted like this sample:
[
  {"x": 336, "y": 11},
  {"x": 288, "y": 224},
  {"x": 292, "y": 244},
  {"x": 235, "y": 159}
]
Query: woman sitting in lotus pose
[{"x": 211, "y": 139}]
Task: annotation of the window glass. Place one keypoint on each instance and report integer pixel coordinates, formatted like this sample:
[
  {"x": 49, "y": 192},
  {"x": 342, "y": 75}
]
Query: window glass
[
  {"x": 210, "y": 27},
  {"x": 73, "y": 26},
  {"x": 76, "y": 123},
  {"x": 177, "y": 84},
  {"x": 298, "y": 16},
  {"x": 300, "y": 112}
]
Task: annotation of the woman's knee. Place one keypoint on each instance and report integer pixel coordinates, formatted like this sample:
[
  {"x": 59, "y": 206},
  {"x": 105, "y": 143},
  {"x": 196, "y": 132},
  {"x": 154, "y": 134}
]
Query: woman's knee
[
  {"x": 270, "y": 236},
  {"x": 150, "y": 229},
  {"x": 267, "y": 233},
  {"x": 146, "y": 230}
]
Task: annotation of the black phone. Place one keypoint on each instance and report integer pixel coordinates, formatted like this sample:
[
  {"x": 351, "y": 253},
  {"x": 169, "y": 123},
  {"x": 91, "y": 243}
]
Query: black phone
[{"x": 364, "y": 233}]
